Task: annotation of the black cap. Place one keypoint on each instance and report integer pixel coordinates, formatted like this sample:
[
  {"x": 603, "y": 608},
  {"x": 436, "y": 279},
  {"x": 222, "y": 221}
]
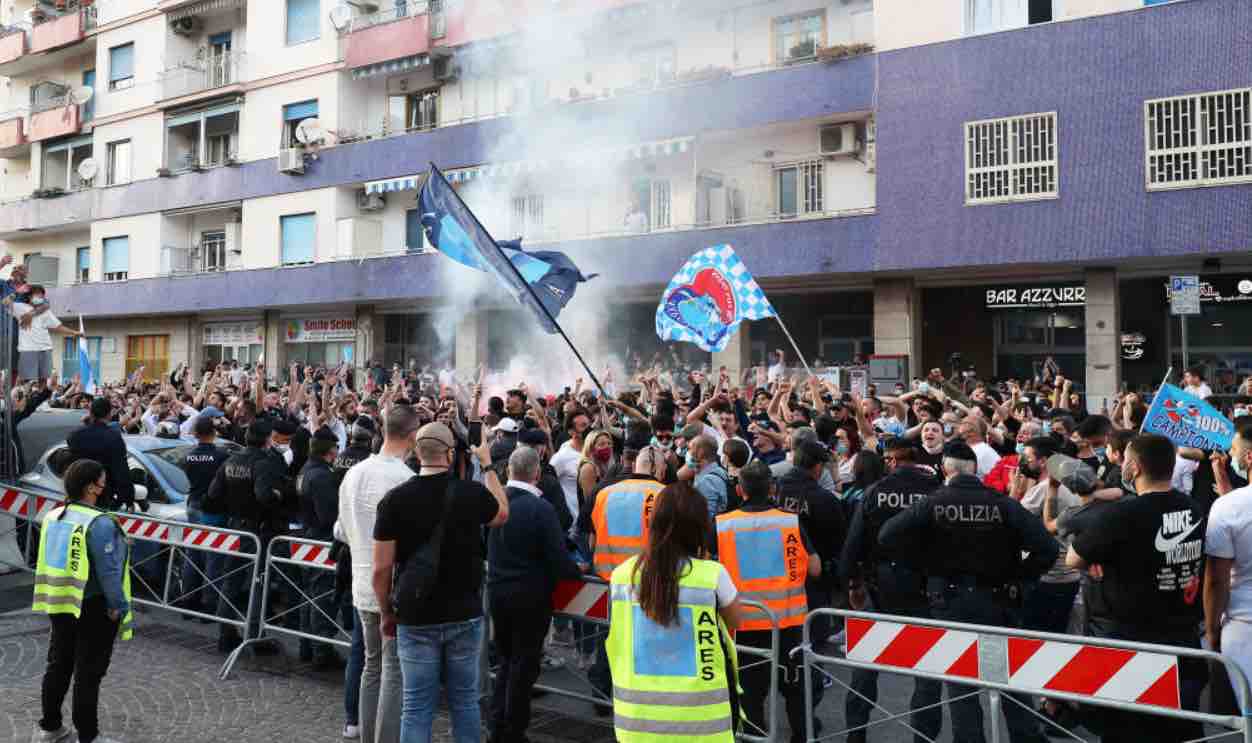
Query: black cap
[
  {"x": 260, "y": 429},
  {"x": 286, "y": 427},
  {"x": 325, "y": 434},
  {"x": 959, "y": 450},
  {"x": 533, "y": 437},
  {"x": 814, "y": 450},
  {"x": 637, "y": 440}
]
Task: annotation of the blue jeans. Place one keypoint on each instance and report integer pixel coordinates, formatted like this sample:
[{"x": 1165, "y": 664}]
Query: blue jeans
[
  {"x": 428, "y": 653},
  {"x": 196, "y": 593},
  {"x": 356, "y": 665}
]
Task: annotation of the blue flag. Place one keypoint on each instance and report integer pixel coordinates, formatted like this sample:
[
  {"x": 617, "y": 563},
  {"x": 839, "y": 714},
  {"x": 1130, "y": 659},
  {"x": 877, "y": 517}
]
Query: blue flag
[
  {"x": 86, "y": 374},
  {"x": 542, "y": 281},
  {"x": 1187, "y": 420},
  {"x": 708, "y": 298}
]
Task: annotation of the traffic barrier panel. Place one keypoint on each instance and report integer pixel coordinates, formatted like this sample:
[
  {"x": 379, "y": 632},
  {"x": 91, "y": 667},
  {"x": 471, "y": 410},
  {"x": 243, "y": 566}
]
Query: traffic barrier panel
[
  {"x": 291, "y": 564},
  {"x": 20, "y": 511},
  {"x": 1117, "y": 674}
]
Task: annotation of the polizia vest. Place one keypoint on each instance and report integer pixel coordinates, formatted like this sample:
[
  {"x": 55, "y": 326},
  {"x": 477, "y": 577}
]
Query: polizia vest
[
  {"x": 671, "y": 683},
  {"x": 63, "y": 567},
  {"x": 765, "y": 556}
]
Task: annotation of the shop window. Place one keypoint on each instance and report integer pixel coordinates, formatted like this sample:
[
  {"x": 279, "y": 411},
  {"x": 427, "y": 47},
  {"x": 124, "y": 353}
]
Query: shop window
[
  {"x": 798, "y": 37},
  {"x": 116, "y": 258},
  {"x": 122, "y": 67},
  {"x": 69, "y": 357},
  {"x": 1199, "y": 140},
  {"x": 1013, "y": 159},
  {"x": 152, "y": 352}
]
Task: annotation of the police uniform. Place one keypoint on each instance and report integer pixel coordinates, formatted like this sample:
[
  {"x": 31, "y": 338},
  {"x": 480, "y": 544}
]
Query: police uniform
[
  {"x": 973, "y": 539},
  {"x": 201, "y": 465},
  {"x": 895, "y": 584},
  {"x": 360, "y": 437},
  {"x": 319, "y": 508}
]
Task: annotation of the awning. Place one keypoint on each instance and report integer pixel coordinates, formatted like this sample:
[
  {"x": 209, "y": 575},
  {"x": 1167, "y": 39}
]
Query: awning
[
  {"x": 404, "y": 183},
  {"x": 643, "y": 151},
  {"x": 391, "y": 66},
  {"x": 202, "y": 7}
]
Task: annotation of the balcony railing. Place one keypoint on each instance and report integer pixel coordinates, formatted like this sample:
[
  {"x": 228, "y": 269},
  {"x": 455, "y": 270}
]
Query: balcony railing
[
  {"x": 62, "y": 30},
  {"x": 397, "y": 12},
  {"x": 210, "y": 256},
  {"x": 205, "y": 71},
  {"x": 12, "y": 44},
  {"x": 13, "y": 139},
  {"x": 54, "y": 118}
]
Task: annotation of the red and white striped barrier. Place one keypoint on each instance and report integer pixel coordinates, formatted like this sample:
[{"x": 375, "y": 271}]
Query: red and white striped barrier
[
  {"x": 209, "y": 539},
  {"x": 140, "y": 528},
  {"x": 928, "y": 649},
  {"x": 1106, "y": 673},
  {"x": 26, "y": 505},
  {"x": 583, "y": 599},
  {"x": 314, "y": 554}
]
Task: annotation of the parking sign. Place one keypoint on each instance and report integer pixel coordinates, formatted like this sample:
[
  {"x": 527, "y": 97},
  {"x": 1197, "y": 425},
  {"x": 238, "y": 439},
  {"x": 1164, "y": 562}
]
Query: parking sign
[{"x": 1184, "y": 295}]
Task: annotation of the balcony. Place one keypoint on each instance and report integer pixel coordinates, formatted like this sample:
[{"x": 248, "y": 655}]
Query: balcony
[
  {"x": 205, "y": 75},
  {"x": 47, "y": 43},
  {"x": 388, "y": 40},
  {"x": 55, "y": 118},
  {"x": 13, "y": 139}
]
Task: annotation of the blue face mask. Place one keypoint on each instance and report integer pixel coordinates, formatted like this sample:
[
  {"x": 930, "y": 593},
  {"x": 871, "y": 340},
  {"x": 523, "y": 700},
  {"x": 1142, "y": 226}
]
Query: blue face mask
[
  {"x": 690, "y": 461},
  {"x": 841, "y": 449},
  {"x": 1020, "y": 449},
  {"x": 947, "y": 429},
  {"x": 1101, "y": 452},
  {"x": 1240, "y": 470}
]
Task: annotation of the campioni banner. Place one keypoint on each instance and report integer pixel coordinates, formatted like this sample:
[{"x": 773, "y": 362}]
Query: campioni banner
[
  {"x": 1187, "y": 420},
  {"x": 708, "y": 298}
]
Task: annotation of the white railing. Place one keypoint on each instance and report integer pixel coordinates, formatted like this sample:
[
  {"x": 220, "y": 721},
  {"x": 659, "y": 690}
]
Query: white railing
[
  {"x": 396, "y": 10},
  {"x": 207, "y": 70}
]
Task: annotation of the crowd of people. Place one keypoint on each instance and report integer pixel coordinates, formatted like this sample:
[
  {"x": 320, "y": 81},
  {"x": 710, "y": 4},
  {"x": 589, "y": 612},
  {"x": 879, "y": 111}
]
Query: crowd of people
[{"x": 691, "y": 493}]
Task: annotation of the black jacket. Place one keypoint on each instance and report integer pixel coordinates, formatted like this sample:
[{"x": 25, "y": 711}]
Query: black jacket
[
  {"x": 821, "y": 514},
  {"x": 527, "y": 555},
  {"x": 250, "y": 488},
  {"x": 201, "y": 465},
  {"x": 319, "y": 499},
  {"x": 347, "y": 459},
  {"x": 99, "y": 442},
  {"x": 884, "y": 499},
  {"x": 550, "y": 486}
]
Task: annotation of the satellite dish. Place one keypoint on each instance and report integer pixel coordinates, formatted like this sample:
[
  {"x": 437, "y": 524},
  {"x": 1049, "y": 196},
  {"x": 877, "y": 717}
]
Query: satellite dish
[
  {"x": 340, "y": 17},
  {"x": 309, "y": 131},
  {"x": 82, "y": 94},
  {"x": 88, "y": 169}
]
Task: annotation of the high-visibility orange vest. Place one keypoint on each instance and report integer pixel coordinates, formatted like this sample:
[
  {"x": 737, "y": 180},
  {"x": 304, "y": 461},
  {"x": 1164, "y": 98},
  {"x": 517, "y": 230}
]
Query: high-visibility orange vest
[
  {"x": 765, "y": 556},
  {"x": 621, "y": 517}
]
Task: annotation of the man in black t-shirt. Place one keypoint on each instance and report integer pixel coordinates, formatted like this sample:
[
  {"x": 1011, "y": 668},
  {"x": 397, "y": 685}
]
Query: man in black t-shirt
[
  {"x": 440, "y": 637},
  {"x": 1149, "y": 550}
]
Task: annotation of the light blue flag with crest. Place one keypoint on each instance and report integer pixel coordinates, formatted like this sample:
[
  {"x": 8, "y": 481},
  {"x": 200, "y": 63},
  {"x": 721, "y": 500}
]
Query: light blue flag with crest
[{"x": 708, "y": 298}]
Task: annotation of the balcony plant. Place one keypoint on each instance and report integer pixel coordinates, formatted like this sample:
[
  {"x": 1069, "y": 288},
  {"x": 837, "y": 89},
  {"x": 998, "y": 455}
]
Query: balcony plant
[
  {"x": 802, "y": 50},
  {"x": 837, "y": 52},
  {"x": 702, "y": 74}
]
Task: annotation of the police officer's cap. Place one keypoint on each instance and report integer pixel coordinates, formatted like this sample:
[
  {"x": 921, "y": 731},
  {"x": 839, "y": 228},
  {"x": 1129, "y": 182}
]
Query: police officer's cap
[
  {"x": 363, "y": 429},
  {"x": 959, "y": 450},
  {"x": 325, "y": 434},
  {"x": 532, "y": 437},
  {"x": 286, "y": 427},
  {"x": 260, "y": 429}
]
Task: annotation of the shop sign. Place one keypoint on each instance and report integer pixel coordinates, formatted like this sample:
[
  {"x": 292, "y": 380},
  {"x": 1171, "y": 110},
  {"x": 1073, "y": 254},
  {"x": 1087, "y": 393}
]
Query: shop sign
[
  {"x": 321, "y": 329},
  {"x": 1221, "y": 289},
  {"x": 1041, "y": 297},
  {"x": 233, "y": 333},
  {"x": 1132, "y": 346}
]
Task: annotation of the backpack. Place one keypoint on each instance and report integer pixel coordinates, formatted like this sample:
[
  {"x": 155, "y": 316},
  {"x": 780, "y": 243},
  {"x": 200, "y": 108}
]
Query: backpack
[{"x": 418, "y": 578}]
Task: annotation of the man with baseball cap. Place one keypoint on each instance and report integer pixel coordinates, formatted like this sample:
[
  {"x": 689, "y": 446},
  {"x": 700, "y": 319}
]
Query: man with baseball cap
[{"x": 1046, "y": 605}]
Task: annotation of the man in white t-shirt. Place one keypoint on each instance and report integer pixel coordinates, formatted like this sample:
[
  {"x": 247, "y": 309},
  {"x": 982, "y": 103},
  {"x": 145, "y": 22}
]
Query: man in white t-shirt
[
  {"x": 778, "y": 368},
  {"x": 974, "y": 431},
  {"x": 1228, "y": 573},
  {"x": 567, "y": 458},
  {"x": 1193, "y": 383},
  {"x": 34, "y": 343}
]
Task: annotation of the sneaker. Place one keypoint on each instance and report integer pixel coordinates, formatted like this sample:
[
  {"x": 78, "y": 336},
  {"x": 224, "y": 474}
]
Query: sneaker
[
  {"x": 552, "y": 663},
  {"x": 351, "y": 732},
  {"x": 61, "y": 735}
]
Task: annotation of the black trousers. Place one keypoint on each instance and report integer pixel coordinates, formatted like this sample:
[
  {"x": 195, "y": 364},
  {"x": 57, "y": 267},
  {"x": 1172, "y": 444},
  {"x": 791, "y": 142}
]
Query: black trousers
[
  {"x": 519, "y": 634},
  {"x": 755, "y": 680},
  {"x": 80, "y": 650}
]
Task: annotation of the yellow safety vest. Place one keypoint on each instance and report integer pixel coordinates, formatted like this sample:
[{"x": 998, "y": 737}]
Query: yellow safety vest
[
  {"x": 63, "y": 567},
  {"x": 671, "y": 683}
]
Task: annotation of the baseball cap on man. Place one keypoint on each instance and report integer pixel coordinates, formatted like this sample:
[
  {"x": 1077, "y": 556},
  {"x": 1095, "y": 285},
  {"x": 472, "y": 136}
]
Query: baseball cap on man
[
  {"x": 813, "y": 450},
  {"x": 1072, "y": 473},
  {"x": 507, "y": 425},
  {"x": 436, "y": 432}
]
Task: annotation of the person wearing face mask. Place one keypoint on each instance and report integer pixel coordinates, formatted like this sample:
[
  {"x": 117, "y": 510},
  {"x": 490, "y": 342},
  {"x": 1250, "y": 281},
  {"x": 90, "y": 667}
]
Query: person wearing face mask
[
  {"x": 1046, "y": 605},
  {"x": 34, "y": 340},
  {"x": 1150, "y": 550},
  {"x": 549, "y": 485},
  {"x": 1091, "y": 438},
  {"x": 1228, "y": 568}
]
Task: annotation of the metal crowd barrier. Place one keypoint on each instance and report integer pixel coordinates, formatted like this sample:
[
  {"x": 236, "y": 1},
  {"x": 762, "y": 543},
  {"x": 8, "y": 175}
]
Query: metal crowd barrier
[
  {"x": 1116, "y": 674},
  {"x": 587, "y": 601},
  {"x": 289, "y": 561},
  {"x": 160, "y": 550}
]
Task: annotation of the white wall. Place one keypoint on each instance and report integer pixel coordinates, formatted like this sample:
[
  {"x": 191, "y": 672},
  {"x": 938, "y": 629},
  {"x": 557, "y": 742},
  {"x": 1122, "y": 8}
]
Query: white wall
[
  {"x": 146, "y": 238},
  {"x": 146, "y": 134},
  {"x": 63, "y": 246},
  {"x": 262, "y": 117},
  {"x": 268, "y": 53},
  {"x": 148, "y": 37},
  {"x": 905, "y": 23},
  {"x": 262, "y": 235}
]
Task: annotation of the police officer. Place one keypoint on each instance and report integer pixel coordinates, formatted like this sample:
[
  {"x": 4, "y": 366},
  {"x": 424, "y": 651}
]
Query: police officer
[
  {"x": 319, "y": 509},
  {"x": 360, "y": 441},
  {"x": 201, "y": 465},
  {"x": 892, "y": 580},
  {"x": 251, "y": 485},
  {"x": 973, "y": 539}
]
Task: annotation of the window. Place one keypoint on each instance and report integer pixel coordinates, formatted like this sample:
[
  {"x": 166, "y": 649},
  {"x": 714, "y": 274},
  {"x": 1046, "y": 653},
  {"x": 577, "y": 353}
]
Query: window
[
  {"x": 652, "y": 198},
  {"x": 414, "y": 112},
  {"x": 61, "y": 160},
  {"x": 152, "y": 352},
  {"x": 202, "y": 138},
  {"x": 69, "y": 358},
  {"x": 1011, "y": 159},
  {"x": 89, "y": 108},
  {"x": 304, "y": 19},
  {"x": 118, "y": 170},
  {"x": 413, "y": 233},
  {"x": 116, "y": 258},
  {"x": 654, "y": 65},
  {"x": 797, "y": 37},
  {"x": 122, "y": 67},
  {"x": 293, "y": 114},
  {"x": 986, "y": 16},
  {"x": 213, "y": 250},
  {"x": 798, "y": 188},
  {"x": 82, "y": 267},
  {"x": 526, "y": 217},
  {"x": 1199, "y": 140},
  {"x": 299, "y": 236}
]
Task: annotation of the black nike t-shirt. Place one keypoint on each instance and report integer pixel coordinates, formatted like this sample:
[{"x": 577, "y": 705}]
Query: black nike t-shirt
[{"x": 1151, "y": 548}]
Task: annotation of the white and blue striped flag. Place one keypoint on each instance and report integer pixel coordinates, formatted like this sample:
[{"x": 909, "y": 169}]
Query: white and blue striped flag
[{"x": 84, "y": 361}]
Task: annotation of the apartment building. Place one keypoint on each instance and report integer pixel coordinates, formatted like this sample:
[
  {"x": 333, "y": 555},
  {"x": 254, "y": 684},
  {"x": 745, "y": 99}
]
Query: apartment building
[{"x": 1001, "y": 178}]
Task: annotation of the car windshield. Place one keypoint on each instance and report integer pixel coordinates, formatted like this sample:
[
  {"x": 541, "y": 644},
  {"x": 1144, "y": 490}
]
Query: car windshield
[{"x": 168, "y": 461}]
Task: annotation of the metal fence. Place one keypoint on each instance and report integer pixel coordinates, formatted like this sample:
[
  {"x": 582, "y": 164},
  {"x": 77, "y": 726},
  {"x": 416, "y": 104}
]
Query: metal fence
[{"x": 1003, "y": 662}]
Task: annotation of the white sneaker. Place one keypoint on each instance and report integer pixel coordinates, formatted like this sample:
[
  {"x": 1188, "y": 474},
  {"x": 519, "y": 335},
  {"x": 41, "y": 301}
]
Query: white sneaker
[
  {"x": 55, "y": 736},
  {"x": 351, "y": 732}
]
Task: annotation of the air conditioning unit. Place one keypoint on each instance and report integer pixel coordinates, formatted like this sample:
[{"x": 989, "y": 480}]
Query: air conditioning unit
[
  {"x": 291, "y": 160},
  {"x": 187, "y": 25},
  {"x": 370, "y": 202},
  {"x": 839, "y": 140},
  {"x": 445, "y": 70}
]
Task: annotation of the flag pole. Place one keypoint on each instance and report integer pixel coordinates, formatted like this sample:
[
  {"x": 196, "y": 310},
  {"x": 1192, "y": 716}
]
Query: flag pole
[
  {"x": 793, "y": 342},
  {"x": 434, "y": 169},
  {"x": 1168, "y": 373}
]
